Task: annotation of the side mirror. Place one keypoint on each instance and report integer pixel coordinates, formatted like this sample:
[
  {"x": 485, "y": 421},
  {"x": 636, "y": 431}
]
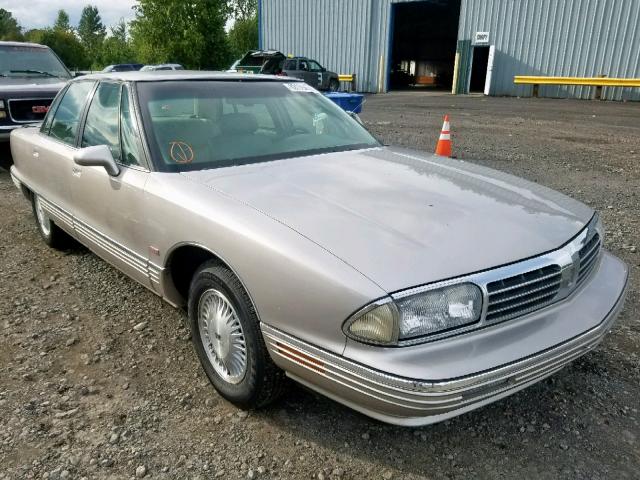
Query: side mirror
[{"x": 98, "y": 156}]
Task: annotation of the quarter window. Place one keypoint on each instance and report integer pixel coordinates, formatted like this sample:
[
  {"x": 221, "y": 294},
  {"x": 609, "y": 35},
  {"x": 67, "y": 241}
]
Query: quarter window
[
  {"x": 102, "y": 123},
  {"x": 64, "y": 126},
  {"x": 130, "y": 151}
]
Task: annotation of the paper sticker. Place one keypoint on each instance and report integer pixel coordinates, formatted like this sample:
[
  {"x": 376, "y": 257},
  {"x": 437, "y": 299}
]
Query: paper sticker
[
  {"x": 181, "y": 152},
  {"x": 300, "y": 87}
]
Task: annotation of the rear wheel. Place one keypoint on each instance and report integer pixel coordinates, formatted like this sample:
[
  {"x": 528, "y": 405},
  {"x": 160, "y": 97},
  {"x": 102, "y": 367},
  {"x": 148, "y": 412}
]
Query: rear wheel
[
  {"x": 52, "y": 235},
  {"x": 334, "y": 85},
  {"x": 228, "y": 341}
]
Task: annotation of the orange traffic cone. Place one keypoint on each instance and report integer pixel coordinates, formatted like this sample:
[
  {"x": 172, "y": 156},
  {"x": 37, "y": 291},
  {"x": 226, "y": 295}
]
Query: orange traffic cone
[{"x": 443, "y": 146}]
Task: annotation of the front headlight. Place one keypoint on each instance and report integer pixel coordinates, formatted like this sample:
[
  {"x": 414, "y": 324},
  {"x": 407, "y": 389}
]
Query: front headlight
[
  {"x": 439, "y": 309},
  {"x": 433, "y": 311}
]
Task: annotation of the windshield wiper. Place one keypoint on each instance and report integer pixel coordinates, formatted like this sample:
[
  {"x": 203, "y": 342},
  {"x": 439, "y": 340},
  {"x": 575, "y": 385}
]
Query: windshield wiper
[{"x": 39, "y": 72}]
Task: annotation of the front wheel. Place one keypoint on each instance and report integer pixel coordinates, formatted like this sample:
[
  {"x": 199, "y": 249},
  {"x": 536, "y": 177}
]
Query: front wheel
[
  {"x": 228, "y": 341},
  {"x": 52, "y": 235},
  {"x": 334, "y": 85}
]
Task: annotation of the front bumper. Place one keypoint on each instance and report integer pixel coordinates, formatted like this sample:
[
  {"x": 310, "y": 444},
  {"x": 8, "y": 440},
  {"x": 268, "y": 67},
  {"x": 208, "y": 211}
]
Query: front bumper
[{"x": 412, "y": 402}]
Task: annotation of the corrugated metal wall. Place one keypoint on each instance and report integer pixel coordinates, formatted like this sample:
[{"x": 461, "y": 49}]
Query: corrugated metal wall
[
  {"x": 532, "y": 37},
  {"x": 581, "y": 38}
]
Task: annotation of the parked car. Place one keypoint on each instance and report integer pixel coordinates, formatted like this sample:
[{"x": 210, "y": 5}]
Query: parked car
[
  {"x": 260, "y": 61},
  {"x": 407, "y": 286},
  {"x": 30, "y": 76},
  {"x": 311, "y": 72},
  {"x": 123, "y": 67},
  {"x": 162, "y": 66}
]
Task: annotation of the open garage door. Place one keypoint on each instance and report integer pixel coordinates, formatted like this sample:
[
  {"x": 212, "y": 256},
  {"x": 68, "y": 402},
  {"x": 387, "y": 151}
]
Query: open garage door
[{"x": 423, "y": 44}]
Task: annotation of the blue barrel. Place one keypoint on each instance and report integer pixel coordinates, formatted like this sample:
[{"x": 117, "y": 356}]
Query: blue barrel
[{"x": 351, "y": 102}]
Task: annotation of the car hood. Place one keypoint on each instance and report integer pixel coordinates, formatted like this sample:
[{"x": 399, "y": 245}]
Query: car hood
[
  {"x": 25, "y": 86},
  {"x": 403, "y": 218}
]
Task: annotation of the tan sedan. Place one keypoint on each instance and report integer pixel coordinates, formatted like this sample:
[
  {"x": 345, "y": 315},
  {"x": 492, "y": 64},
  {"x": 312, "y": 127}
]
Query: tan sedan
[{"x": 410, "y": 287}]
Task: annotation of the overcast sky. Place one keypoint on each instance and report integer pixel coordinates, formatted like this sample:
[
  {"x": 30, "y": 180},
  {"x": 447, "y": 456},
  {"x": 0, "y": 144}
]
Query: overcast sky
[{"x": 42, "y": 13}]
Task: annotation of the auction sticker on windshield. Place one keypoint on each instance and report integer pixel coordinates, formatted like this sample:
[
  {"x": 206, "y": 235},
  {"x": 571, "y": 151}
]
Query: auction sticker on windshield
[{"x": 300, "y": 87}]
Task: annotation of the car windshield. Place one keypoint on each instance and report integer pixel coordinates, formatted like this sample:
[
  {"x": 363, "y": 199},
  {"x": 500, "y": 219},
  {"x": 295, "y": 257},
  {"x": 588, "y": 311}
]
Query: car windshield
[
  {"x": 194, "y": 125},
  {"x": 25, "y": 60}
]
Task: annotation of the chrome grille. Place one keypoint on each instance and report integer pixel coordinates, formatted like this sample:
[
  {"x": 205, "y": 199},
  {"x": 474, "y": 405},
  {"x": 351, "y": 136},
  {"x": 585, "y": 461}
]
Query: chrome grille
[
  {"x": 588, "y": 255},
  {"x": 522, "y": 293}
]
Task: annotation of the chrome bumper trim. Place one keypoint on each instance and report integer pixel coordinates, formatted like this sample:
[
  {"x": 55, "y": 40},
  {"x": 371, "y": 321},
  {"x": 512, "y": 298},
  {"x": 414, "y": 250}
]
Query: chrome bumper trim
[
  {"x": 57, "y": 213},
  {"x": 406, "y": 401},
  {"x": 16, "y": 181}
]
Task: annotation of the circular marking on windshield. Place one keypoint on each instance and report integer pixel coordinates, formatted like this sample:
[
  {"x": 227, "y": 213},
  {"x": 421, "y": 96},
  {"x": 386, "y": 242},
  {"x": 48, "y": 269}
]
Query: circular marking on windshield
[{"x": 181, "y": 152}]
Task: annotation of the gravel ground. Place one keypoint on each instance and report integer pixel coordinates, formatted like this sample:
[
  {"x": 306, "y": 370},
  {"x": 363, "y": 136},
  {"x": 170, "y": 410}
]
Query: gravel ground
[{"x": 85, "y": 394}]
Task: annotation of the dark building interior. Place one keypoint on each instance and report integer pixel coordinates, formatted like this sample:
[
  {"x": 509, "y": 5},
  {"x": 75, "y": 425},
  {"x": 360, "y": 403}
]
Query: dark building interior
[{"x": 423, "y": 44}]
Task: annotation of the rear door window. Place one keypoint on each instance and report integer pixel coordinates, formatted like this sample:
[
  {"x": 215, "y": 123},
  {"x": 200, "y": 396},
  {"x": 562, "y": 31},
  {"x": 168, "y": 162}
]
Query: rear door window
[
  {"x": 130, "y": 150},
  {"x": 64, "y": 126},
  {"x": 101, "y": 127}
]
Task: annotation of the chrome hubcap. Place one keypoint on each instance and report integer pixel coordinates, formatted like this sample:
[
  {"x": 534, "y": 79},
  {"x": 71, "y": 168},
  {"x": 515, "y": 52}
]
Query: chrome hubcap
[
  {"x": 43, "y": 218},
  {"x": 222, "y": 336}
]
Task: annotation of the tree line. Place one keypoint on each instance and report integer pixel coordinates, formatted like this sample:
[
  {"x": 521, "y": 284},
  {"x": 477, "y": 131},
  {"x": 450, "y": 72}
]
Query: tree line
[{"x": 162, "y": 31}]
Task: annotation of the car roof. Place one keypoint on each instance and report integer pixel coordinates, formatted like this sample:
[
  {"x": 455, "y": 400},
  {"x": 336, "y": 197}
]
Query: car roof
[
  {"x": 163, "y": 75},
  {"x": 22, "y": 44}
]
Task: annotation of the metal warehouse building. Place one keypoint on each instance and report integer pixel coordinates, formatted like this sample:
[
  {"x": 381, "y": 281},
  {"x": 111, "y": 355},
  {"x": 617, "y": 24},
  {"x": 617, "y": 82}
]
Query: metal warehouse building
[{"x": 462, "y": 45}]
